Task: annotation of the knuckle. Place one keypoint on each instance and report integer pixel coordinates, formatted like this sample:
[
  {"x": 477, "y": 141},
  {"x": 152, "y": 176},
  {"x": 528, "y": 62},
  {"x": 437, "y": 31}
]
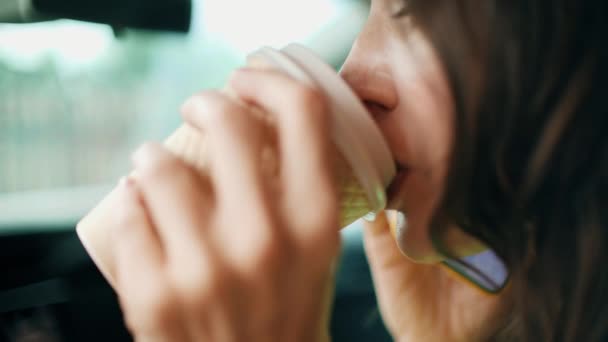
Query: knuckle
[
  {"x": 264, "y": 262},
  {"x": 152, "y": 159},
  {"x": 127, "y": 218},
  {"x": 320, "y": 244},
  {"x": 221, "y": 110},
  {"x": 320, "y": 210},
  {"x": 223, "y": 122},
  {"x": 160, "y": 300},
  {"x": 312, "y": 100},
  {"x": 316, "y": 225},
  {"x": 319, "y": 220},
  {"x": 123, "y": 216},
  {"x": 198, "y": 284},
  {"x": 189, "y": 107},
  {"x": 164, "y": 168},
  {"x": 262, "y": 250},
  {"x": 211, "y": 110},
  {"x": 186, "y": 175},
  {"x": 199, "y": 103},
  {"x": 154, "y": 310},
  {"x": 268, "y": 253},
  {"x": 260, "y": 213},
  {"x": 221, "y": 115}
]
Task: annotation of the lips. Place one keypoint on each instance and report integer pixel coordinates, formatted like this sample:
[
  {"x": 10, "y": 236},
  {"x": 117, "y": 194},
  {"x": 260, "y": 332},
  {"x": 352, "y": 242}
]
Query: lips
[{"x": 395, "y": 190}]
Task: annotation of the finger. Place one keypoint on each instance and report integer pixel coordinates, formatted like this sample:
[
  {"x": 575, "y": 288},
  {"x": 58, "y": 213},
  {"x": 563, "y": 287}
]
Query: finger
[
  {"x": 390, "y": 268},
  {"x": 141, "y": 284},
  {"x": 380, "y": 243},
  {"x": 137, "y": 250},
  {"x": 302, "y": 118},
  {"x": 178, "y": 200},
  {"x": 236, "y": 139}
]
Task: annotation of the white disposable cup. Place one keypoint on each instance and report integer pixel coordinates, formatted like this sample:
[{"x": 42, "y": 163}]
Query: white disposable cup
[{"x": 363, "y": 162}]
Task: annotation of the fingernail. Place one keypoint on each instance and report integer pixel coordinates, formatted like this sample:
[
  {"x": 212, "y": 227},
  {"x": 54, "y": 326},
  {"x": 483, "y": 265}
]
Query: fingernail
[
  {"x": 378, "y": 223},
  {"x": 370, "y": 217},
  {"x": 373, "y": 217}
]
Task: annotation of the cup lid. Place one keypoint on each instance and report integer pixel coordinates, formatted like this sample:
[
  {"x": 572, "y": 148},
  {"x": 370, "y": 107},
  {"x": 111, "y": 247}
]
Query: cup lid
[
  {"x": 350, "y": 106},
  {"x": 354, "y": 132}
]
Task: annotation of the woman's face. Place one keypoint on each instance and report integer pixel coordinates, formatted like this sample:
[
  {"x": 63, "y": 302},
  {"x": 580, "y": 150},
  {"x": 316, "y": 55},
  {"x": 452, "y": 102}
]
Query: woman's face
[{"x": 394, "y": 70}]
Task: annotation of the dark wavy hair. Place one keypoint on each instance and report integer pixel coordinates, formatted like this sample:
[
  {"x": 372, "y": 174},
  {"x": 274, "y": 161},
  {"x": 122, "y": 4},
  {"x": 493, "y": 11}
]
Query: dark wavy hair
[{"x": 529, "y": 169}]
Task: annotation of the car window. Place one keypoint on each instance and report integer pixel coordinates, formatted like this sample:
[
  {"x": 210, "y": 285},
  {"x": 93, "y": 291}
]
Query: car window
[{"x": 76, "y": 98}]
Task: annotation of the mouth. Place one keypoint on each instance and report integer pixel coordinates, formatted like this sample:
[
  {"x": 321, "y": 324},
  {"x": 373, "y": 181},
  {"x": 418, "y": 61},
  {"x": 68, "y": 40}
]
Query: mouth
[{"x": 395, "y": 190}]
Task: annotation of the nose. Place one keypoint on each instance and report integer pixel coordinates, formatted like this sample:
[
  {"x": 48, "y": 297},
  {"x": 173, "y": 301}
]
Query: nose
[{"x": 367, "y": 71}]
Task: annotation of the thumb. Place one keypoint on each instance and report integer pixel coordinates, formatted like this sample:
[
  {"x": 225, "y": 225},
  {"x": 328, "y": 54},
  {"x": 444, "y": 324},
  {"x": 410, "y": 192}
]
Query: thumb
[
  {"x": 383, "y": 254},
  {"x": 392, "y": 272}
]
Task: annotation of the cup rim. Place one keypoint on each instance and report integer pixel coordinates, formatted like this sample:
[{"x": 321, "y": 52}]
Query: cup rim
[
  {"x": 358, "y": 116},
  {"x": 371, "y": 162}
]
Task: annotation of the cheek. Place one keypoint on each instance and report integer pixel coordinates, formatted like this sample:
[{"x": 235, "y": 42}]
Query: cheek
[
  {"x": 426, "y": 108},
  {"x": 425, "y": 119},
  {"x": 428, "y": 152},
  {"x": 421, "y": 136},
  {"x": 414, "y": 235}
]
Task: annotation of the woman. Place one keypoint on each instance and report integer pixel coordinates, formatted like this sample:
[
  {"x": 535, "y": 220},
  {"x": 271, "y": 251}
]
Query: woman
[{"x": 494, "y": 109}]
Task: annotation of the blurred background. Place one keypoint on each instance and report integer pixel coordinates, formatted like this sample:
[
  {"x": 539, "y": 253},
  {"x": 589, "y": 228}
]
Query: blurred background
[{"x": 77, "y": 97}]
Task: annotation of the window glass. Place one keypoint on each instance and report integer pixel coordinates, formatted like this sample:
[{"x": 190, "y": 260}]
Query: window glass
[{"x": 76, "y": 98}]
